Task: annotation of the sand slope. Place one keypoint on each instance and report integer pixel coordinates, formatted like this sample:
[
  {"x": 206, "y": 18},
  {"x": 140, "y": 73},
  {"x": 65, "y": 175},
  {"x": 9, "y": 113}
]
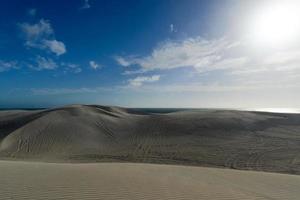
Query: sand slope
[
  {"x": 218, "y": 138},
  {"x": 115, "y": 181}
]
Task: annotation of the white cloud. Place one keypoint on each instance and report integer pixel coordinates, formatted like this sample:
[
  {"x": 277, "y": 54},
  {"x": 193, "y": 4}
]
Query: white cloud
[
  {"x": 172, "y": 28},
  {"x": 194, "y": 52},
  {"x": 122, "y": 61},
  {"x": 140, "y": 80},
  {"x": 209, "y": 55},
  {"x": 45, "y": 63},
  {"x": 86, "y": 5},
  {"x": 94, "y": 65},
  {"x": 238, "y": 67},
  {"x": 70, "y": 67},
  {"x": 6, "y": 66},
  {"x": 55, "y": 46},
  {"x": 41, "y": 36},
  {"x": 36, "y": 31},
  {"x": 130, "y": 72},
  {"x": 225, "y": 63}
]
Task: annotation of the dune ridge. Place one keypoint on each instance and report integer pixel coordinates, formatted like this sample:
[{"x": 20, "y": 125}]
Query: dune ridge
[{"x": 91, "y": 133}]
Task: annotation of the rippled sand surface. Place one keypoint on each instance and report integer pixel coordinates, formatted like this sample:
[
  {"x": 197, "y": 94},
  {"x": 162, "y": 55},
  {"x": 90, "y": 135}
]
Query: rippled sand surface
[
  {"x": 233, "y": 139},
  {"x": 121, "y": 181}
]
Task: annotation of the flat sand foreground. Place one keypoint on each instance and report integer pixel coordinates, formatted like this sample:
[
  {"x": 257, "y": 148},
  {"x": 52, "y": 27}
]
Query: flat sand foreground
[{"x": 33, "y": 180}]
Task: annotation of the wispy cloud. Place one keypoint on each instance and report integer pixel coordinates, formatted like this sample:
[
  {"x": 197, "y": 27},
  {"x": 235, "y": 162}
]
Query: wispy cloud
[
  {"x": 32, "y": 12},
  {"x": 6, "y": 66},
  {"x": 45, "y": 63},
  {"x": 71, "y": 67},
  {"x": 40, "y": 63},
  {"x": 194, "y": 52},
  {"x": 36, "y": 32},
  {"x": 94, "y": 65},
  {"x": 140, "y": 80},
  {"x": 86, "y": 5},
  {"x": 231, "y": 63},
  {"x": 131, "y": 72},
  {"x": 123, "y": 61},
  {"x": 41, "y": 36},
  {"x": 209, "y": 55},
  {"x": 172, "y": 28}
]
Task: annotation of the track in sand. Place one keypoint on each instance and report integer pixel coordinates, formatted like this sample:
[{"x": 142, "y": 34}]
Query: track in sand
[{"x": 216, "y": 138}]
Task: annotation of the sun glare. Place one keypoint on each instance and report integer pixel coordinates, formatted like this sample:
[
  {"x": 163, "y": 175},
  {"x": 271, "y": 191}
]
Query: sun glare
[{"x": 277, "y": 23}]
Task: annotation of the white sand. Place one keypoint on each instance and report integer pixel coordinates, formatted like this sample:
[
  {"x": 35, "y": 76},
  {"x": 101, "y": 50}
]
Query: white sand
[
  {"x": 30, "y": 180},
  {"x": 217, "y": 138}
]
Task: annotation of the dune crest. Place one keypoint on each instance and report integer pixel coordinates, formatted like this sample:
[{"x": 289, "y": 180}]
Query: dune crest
[{"x": 92, "y": 133}]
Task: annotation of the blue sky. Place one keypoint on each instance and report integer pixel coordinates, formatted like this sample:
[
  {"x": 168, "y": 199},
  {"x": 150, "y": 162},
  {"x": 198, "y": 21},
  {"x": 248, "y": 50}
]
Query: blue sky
[{"x": 156, "y": 53}]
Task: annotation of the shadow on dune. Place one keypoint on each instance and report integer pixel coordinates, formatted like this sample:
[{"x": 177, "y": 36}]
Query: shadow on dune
[{"x": 92, "y": 133}]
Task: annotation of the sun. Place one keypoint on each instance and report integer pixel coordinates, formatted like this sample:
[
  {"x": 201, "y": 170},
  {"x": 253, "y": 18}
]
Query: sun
[{"x": 277, "y": 23}]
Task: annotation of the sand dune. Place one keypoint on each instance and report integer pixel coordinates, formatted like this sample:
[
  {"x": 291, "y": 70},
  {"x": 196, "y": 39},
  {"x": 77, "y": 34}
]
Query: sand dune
[
  {"x": 120, "y": 181},
  {"x": 218, "y": 138}
]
